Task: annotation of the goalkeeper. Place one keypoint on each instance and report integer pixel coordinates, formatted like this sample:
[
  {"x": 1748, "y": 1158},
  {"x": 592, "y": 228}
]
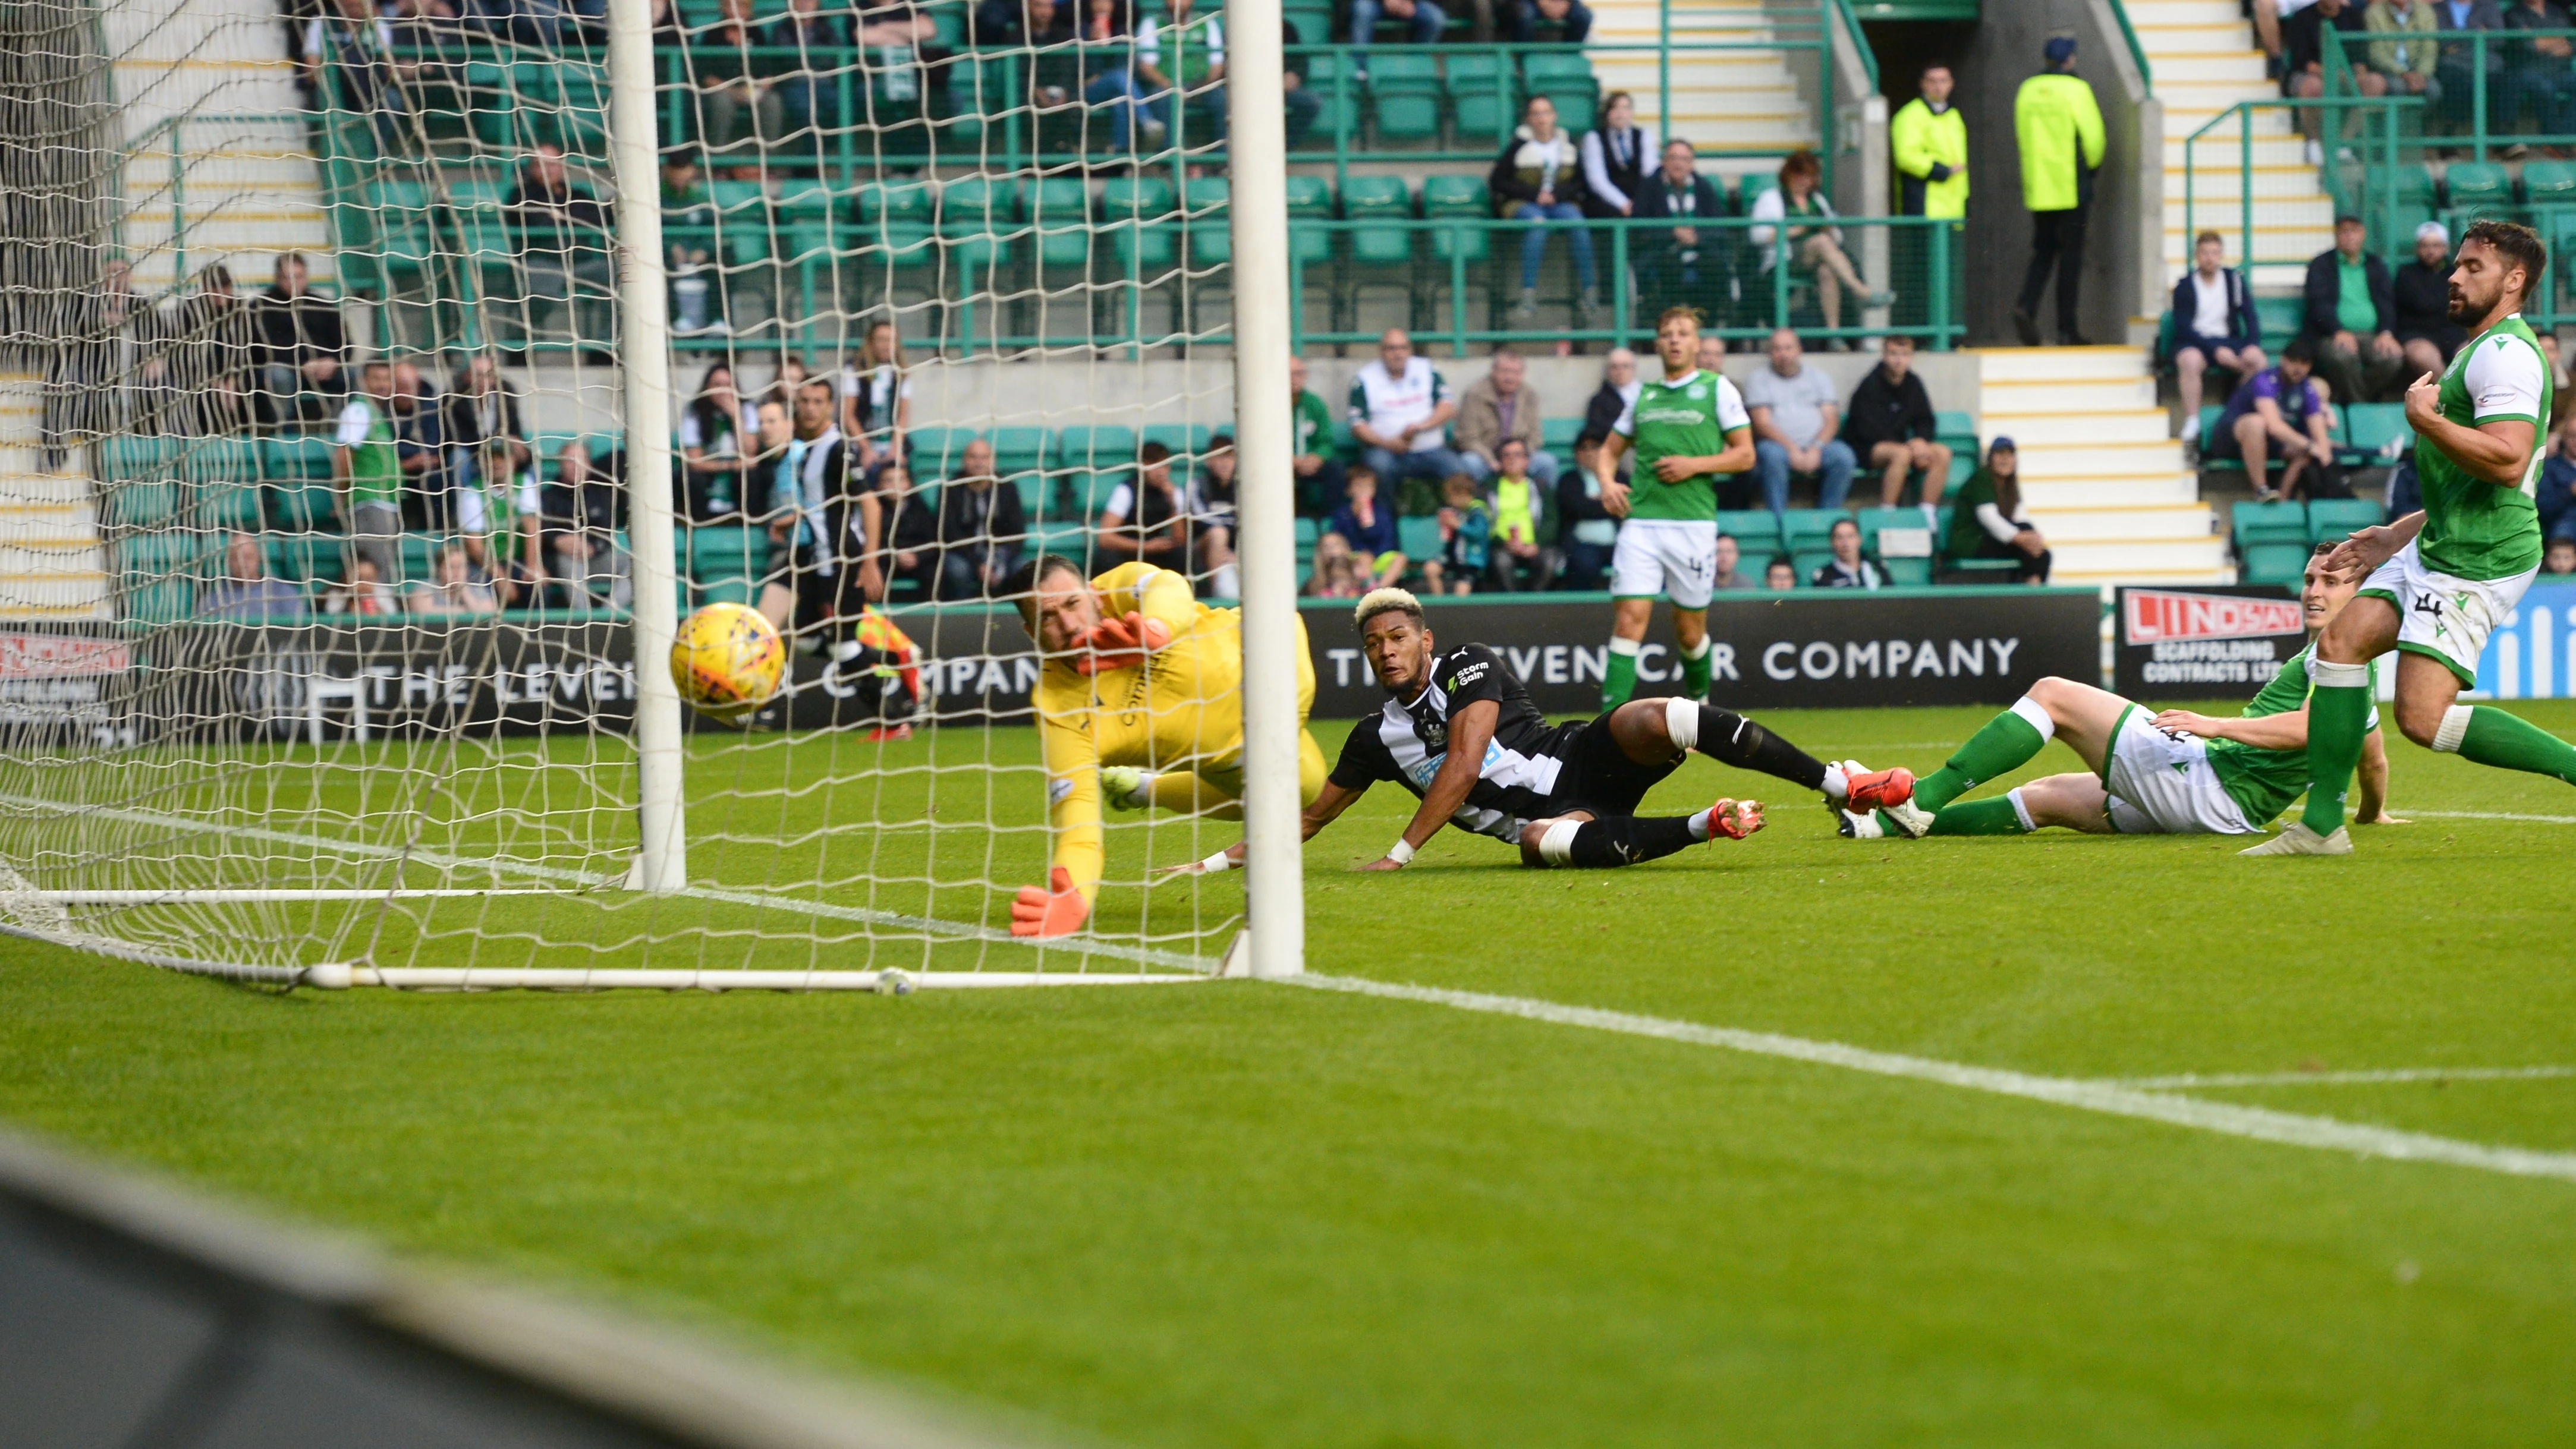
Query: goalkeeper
[{"x": 1140, "y": 699}]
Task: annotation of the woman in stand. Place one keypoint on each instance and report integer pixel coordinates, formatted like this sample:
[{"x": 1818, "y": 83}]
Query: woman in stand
[
  {"x": 1810, "y": 244},
  {"x": 1990, "y": 520},
  {"x": 711, "y": 451},
  {"x": 1617, "y": 155},
  {"x": 1536, "y": 180}
]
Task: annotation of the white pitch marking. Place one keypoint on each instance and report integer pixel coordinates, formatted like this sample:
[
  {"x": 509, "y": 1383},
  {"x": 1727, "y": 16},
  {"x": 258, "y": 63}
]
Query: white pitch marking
[
  {"x": 2257, "y": 1123},
  {"x": 2334, "y": 1079},
  {"x": 436, "y": 860},
  {"x": 2494, "y": 815}
]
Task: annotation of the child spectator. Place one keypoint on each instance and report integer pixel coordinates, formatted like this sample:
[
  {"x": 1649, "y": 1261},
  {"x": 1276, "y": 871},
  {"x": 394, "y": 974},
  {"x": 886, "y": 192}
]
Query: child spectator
[
  {"x": 1780, "y": 575},
  {"x": 1210, "y": 503},
  {"x": 1585, "y": 529},
  {"x": 1519, "y": 561},
  {"x": 453, "y": 589},
  {"x": 364, "y": 596},
  {"x": 1465, "y": 525},
  {"x": 1336, "y": 574},
  {"x": 1367, "y": 529},
  {"x": 2560, "y": 558}
]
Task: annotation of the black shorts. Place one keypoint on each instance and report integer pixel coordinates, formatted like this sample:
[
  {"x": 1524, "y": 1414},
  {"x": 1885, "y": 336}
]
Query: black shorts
[{"x": 1598, "y": 777}]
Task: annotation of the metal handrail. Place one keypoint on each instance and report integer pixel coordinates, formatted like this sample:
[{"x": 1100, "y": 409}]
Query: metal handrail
[{"x": 2137, "y": 48}]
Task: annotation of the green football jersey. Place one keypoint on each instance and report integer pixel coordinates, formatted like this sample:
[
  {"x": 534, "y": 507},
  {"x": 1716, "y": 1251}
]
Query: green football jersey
[
  {"x": 1689, "y": 416},
  {"x": 2474, "y": 529},
  {"x": 2263, "y": 782}
]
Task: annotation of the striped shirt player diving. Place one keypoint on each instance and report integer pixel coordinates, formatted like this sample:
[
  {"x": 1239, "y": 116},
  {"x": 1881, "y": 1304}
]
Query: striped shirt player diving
[{"x": 1407, "y": 741}]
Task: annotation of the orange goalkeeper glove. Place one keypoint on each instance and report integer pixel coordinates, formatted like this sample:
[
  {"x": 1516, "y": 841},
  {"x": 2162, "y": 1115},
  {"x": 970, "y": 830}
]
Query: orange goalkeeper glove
[
  {"x": 1058, "y": 910},
  {"x": 1118, "y": 643}
]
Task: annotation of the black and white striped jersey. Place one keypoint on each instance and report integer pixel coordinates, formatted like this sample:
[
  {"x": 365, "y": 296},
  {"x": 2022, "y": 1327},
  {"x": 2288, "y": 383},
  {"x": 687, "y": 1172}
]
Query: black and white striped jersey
[{"x": 1407, "y": 740}]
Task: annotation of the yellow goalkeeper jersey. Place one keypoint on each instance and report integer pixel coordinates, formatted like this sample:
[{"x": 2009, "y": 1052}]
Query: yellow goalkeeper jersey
[{"x": 1181, "y": 709}]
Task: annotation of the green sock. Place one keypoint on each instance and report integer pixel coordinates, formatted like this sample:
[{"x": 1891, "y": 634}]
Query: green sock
[
  {"x": 2004, "y": 745},
  {"x": 1695, "y": 672},
  {"x": 2338, "y": 717},
  {"x": 1977, "y": 817},
  {"x": 1620, "y": 680},
  {"x": 2510, "y": 742}
]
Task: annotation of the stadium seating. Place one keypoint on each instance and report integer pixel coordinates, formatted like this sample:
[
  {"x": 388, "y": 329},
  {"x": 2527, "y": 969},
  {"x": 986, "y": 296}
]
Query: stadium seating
[{"x": 2272, "y": 540}]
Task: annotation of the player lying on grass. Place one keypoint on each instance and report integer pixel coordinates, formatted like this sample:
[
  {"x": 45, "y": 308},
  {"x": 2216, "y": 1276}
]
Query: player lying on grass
[
  {"x": 2439, "y": 580},
  {"x": 2178, "y": 773},
  {"x": 1459, "y": 731},
  {"x": 1137, "y": 676}
]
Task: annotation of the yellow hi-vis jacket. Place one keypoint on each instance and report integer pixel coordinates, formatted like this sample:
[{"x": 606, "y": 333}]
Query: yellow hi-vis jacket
[
  {"x": 1922, "y": 144},
  {"x": 2060, "y": 130}
]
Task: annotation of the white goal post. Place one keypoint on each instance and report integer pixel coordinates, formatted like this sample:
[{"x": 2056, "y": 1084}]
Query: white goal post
[{"x": 271, "y": 714}]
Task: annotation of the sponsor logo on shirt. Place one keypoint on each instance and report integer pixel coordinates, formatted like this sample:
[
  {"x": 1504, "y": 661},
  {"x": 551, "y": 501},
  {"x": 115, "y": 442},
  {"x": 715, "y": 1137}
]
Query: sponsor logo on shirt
[{"x": 1058, "y": 788}]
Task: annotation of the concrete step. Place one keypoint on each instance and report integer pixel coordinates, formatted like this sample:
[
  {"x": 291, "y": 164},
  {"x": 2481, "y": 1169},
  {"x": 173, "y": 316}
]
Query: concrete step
[
  {"x": 2156, "y": 458},
  {"x": 40, "y": 521},
  {"x": 2212, "y": 153},
  {"x": 2146, "y": 13},
  {"x": 2237, "y": 67},
  {"x": 2207, "y": 185},
  {"x": 2117, "y": 525},
  {"x": 2059, "y": 364},
  {"x": 2042, "y": 396},
  {"x": 2151, "y": 490},
  {"x": 2090, "y": 426},
  {"x": 26, "y": 487},
  {"x": 79, "y": 593},
  {"x": 2132, "y": 559},
  {"x": 25, "y": 560},
  {"x": 2166, "y": 43}
]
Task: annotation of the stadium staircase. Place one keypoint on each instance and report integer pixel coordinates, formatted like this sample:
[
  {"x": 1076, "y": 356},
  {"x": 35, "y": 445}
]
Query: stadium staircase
[
  {"x": 52, "y": 565},
  {"x": 1734, "y": 99},
  {"x": 2104, "y": 479},
  {"x": 2204, "y": 59}
]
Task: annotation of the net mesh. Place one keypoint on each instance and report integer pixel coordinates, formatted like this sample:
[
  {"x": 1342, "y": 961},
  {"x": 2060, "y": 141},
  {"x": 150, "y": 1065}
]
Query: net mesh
[{"x": 316, "y": 572}]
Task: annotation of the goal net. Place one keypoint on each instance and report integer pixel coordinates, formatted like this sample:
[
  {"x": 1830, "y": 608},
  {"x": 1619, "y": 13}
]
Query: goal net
[{"x": 363, "y": 444}]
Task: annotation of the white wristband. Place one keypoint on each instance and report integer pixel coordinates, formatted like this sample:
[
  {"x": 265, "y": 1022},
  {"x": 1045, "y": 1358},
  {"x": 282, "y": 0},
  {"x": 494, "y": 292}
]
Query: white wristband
[
  {"x": 1217, "y": 863},
  {"x": 1400, "y": 852}
]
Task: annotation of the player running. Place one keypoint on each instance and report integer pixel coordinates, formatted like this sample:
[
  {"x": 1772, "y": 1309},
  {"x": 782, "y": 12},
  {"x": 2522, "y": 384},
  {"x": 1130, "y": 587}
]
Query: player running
[
  {"x": 1137, "y": 676},
  {"x": 1459, "y": 731},
  {"x": 1687, "y": 427},
  {"x": 2179, "y": 773},
  {"x": 2440, "y": 579}
]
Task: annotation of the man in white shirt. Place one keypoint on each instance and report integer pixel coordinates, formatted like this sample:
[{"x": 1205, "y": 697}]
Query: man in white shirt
[
  {"x": 2214, "y": 326},
  {"x": 1400, "y": 412},
  {"x": 1796, "y": 414}
]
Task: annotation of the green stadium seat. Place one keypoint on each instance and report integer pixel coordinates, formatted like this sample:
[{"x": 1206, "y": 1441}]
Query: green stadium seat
[
  {"x": 1189, "y": 440},
  {"x": 1138, "y": 213},
  {"x": 1019, "y": 450},
  {"x": 1807, "y": 529},
  {"x": 1464, "y": 199},
  {"x": 1310, "y": 198},
  {"x": 1314, "y": 26},
  {"x": 895, "y": 225},
  {"x": 1907, "y": 573},
  {"x": 1089, "y": 460},
  {"x": 2281, "y": 318},
  {"x": 2546, "y": 183},
  {"x": 975, "y": 223},
  {"x": 1338, "y": 115},
  {"x": 1482, "y": 104},
  {"x": 1755, "y": 530},
  {"x": 1418, "y": 538},
  {"x": 2273, "y": 563},
  {"x": 1404, "y": 96},
  {"x": 1749, "y": 189},
  {"x": 725, "y": 562},
  {"x": 1379, "y": 198},
  {"x": 2332, "y": 520},
  {"x": 2261, "y": 523},
  {"x": 1060, "y": 208},
  {"x": 1559, "y": 435},
  {"x": 1208, "y": 206},
  {"x": 142, "y": 502},
  {"x": 1805, "y": 561},
  {"x": 2479, "y": 186},
  {"x": 1566, "y": 78},
  {"x": 937, "y": 452},
  {"x": 230, "y": 506},
  {"x": 2368, "y": 427},
  {"x": 477, "y": 194}
]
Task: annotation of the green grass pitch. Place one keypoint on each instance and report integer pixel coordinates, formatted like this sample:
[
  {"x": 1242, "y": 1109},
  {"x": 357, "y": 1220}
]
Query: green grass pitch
[{"x": 1238, "y": 1214}]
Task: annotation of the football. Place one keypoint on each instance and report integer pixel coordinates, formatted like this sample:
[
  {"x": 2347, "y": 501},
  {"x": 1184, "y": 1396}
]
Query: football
[{"x": 728, "y": 660}]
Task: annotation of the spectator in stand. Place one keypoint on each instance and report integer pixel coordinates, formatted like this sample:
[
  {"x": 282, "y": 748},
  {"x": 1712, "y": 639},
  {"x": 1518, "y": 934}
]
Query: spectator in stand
[
  {"x": 1780, "y": 575},
  {"x": 689, "y": 216},
  {"x": 451, "y": 587},
  {"x": 2558, "y": 559},
  {"x": 2462, "y": 60},
  {"x": 584, "y": 509},
  {"x": 876, "y": 397},
  {"x": 1894, "y": 429},
  {"x": 713, "y": 460},
  {"x": 1319, "y": 473},
  {"x": 2350, "y": 318},
  {"x": 1679, "y": 266},
  {"x": 2280, "y": 408},
  {"x": 1795, "y": 229},
  {"x": 1302, "y": 105},
  {"x": 809, "y": 511},
  {"x": 303, "y": 348},
  {"x": 789, "y": 382},
  {"x": 563, "y": 248},
  {"x": 2059, "y": 126},
  {"x": 733, "y": 86},
  {"x": 366, "y": 469},
  {"x": 1423, "y": 21},
  {"x": 1987, "y": 519},
  {"x": 1498, "y": 407},
  {"x": 212, "y": 350},
  {"x": 492, "y": 470},
  {"x": 422, "y": 448},
  {"x": 2562, "y": 389},
  {"x": 1537, "y": 179},
  {"x": 1567, "y": 18},
  {"x": 1617, "y": 393},
  {"x": 1617, "y": 156},
  {"x": 2537, "y": 71},
  {"x": 1211, "y": 505},
  {"x": 2405, "y": 57},
  {"x": 1795, "y": 414},
  {"x": 2303, "y": 61},
  {"x": 1130, "y": 84},
  {"x": 350, "y": 43},
  {"x": 1195, "y": 68},
  {"x": 246, "y": 594},
  {"x": 1368, "y": 530},
  {"x": 807, "y": 91},
  {"x": 982, "y": 526},
  {"x": 85, "y": 388},
  {"x": 2214, "y": 325},
  {"x": 1466, "y": 528},
  {"x": 1520, "y": 558},
  {"x": 1587, "y": 533},
  {"x": 1144, "y": 519},
  {"x": 1847, "y": 569},
  {"x": 1730, "y": 565},
  {"x": 773, "y": 488},
  {"x": 1400, "y": 410},
  {"x": 910, "y": 551},
  {"x": 365, "y": 596},
  {"x": 2419, "y": 303},
  {"x": 2557, "y": 490},
  {"x": 1336, "y": 575}
]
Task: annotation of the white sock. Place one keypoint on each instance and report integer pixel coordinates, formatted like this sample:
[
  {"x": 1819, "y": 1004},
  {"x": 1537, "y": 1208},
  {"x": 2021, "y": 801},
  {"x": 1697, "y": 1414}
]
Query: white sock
[
  {"x": 2036, "y": 717},
  {"x": 2326, "y": 674},
  {"x": 1704, "y": 824},
  {"x": 1695, "y": 651},
  {"x": 1556, "y": 846},
  {"x": 1227, "y": 582},
  {"x": 1681, "y": 722},
  {"x": 2021, "y": 810},
  {"x": 1625, "y": 646},
  {"x": 2455, "y": 728},
  {"x": 1837, "y": 789},
  {"x": 2191, "y": 426}
]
